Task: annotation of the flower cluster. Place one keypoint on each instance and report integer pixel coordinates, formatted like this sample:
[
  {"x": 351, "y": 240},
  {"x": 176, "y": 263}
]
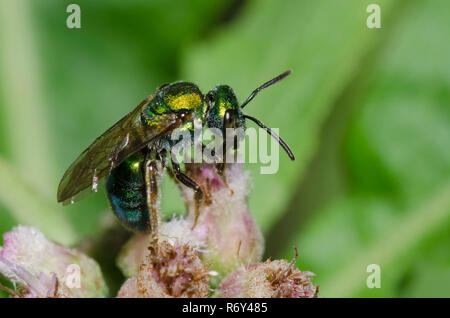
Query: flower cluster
[
  {"x": 270, "y": 279},
  {"x": 220, "y": 256},
  {"x": 169, "y": 271}
]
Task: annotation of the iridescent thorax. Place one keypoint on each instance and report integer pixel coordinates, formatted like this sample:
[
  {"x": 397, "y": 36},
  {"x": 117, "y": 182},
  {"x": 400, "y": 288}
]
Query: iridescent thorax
[{"x": 175, "y": 97}]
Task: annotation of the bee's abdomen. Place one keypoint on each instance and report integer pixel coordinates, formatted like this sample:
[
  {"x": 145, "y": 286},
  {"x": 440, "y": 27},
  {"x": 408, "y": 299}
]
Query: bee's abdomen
[{"x": 126, "y": 193}]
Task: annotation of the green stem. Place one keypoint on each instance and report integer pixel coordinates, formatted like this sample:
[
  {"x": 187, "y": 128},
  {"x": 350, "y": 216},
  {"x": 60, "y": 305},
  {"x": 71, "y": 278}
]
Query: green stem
[
  {"x": 24, "y": 108},
  {"x": 29, "y": 208},
  {"x": 394, "y": 245}
]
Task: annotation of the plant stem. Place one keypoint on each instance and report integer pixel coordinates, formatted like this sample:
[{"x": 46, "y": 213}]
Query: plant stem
[
  {"x": 24, "y": 109},
  {"x": 29, "y": 208},
  {"x": 402, "y": 239}
]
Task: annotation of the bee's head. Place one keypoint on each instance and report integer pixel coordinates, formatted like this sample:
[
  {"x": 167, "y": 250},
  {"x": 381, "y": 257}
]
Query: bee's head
[{"x": 223, "y": 109}]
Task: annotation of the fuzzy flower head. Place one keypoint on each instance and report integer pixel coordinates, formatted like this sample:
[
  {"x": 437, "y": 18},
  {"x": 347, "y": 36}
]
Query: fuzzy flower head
[
  {"x": 270, "y": 279},
  {"x": 42, "y": 268},
  {"x": 176, "y": 232},
  {"x": 169, "y": 271}
]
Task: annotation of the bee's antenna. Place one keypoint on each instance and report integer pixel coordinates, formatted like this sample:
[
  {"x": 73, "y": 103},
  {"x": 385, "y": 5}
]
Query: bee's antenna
[
  {"x": 274, "y": 135},
  {"x": 265, "y": 85}
]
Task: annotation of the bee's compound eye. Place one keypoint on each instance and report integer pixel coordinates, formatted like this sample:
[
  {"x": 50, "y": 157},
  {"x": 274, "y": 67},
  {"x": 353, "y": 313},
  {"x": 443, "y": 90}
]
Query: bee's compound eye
[
  {"x": 229, "y": 119},
  {"x": 227, "y": 115}
]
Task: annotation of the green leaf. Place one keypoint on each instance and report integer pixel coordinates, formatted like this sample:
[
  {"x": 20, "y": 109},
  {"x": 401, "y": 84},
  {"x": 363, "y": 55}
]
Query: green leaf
[
  {"x": 373, "y": 235},
  {"x": 430, "y": 274},
  {"x": 397, "y": 158}
]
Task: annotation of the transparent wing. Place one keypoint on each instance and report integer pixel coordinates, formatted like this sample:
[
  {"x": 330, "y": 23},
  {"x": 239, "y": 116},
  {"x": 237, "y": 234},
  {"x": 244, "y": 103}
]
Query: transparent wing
[{"x": 109, "y": 150}]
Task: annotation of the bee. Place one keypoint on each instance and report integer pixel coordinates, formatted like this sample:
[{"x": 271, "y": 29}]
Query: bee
[{"x": 133, "y": 153}]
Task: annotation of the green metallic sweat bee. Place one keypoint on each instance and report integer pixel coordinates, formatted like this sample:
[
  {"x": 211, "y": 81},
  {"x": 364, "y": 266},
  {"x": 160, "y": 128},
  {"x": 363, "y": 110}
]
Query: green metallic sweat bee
[{"x": 133, "y": 153}]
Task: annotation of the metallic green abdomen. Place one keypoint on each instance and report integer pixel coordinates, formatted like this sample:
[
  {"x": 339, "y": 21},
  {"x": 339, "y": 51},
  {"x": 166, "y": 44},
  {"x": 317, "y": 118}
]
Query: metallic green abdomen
[{"x": 126, "y": 193}]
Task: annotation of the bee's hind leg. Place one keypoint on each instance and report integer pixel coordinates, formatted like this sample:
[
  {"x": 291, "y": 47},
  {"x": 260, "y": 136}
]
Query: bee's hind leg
[
  {"x": 152, "y": 178},
  {"x": 187, "y": 181}
]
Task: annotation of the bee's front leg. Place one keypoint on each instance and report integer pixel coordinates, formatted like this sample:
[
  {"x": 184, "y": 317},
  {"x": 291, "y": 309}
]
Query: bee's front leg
[
  {"x": 220, "y": 166},
  {"x": 187, "y": 181}
]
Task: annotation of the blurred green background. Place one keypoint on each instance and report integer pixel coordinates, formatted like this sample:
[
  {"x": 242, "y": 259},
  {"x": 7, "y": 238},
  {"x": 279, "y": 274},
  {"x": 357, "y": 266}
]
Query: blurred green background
[{"x": 366, "y": 111}]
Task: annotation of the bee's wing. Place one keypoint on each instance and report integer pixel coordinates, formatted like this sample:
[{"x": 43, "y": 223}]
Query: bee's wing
[{"x": 109, "y": 150}]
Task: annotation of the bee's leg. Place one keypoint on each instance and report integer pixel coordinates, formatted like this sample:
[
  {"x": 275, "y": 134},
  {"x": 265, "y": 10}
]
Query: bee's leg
[
  {"x": 152, "y": 176},
  {"x": 187, "y": 181},
  {"x": 162, "y": 156},
  {"x": 220, "y": 168}
]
